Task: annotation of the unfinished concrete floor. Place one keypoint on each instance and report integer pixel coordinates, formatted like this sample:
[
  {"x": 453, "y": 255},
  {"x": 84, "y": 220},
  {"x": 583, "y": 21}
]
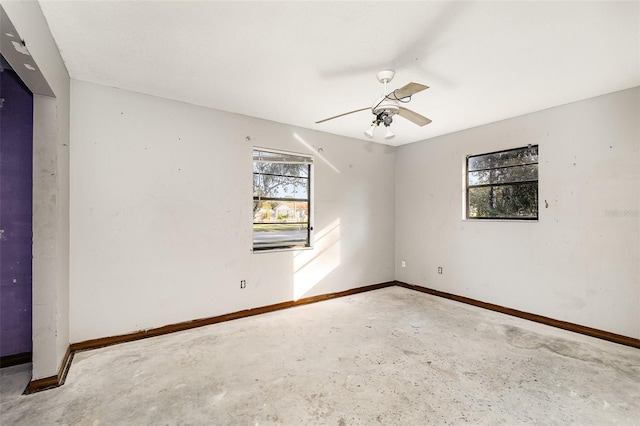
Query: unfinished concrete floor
[{"x": 392, "y": 356}]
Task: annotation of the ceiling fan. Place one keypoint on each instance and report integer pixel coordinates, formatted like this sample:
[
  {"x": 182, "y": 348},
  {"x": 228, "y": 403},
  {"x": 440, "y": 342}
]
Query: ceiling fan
[{"x": 388, "y": 105}]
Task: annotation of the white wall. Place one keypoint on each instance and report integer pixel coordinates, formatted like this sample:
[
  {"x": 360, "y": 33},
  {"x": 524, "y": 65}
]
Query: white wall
[
  {"x": 161, "y": 213},
  {"x": 579, "y": 262},
  {"x": 50, "y": 193},
  {"x": 161, "y": 233}
]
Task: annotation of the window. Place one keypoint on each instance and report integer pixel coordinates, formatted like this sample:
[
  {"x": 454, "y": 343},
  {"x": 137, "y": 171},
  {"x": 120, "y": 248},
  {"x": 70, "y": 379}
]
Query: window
[
  {"x": 503, "y": 185},
  {"x": 281, "y": 200}
]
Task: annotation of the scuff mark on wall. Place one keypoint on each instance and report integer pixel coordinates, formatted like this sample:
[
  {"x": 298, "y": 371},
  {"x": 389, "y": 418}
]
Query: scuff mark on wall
[{"x": 21, "y": 48}]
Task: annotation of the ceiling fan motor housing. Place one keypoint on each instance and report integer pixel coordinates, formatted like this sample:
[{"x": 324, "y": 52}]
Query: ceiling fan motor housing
[{"x": 384, "y": 104}]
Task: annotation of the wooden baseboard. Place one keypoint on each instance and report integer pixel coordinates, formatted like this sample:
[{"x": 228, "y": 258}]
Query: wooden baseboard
[
  {"x": 52, "y": 381},
  {"x": 16, "y": 359},
  {"x": 576, "y": 328},
  {"x": 172, "y": 328}
]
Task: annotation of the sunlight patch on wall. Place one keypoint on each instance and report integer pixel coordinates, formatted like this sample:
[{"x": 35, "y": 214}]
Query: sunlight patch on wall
[
  {"x": 311, "y": 266},
  {"x": 316, "y": 152}
]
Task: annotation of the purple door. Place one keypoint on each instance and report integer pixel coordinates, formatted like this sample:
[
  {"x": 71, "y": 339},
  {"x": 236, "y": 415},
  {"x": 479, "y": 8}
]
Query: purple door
[{"x": 16, "y": 181}]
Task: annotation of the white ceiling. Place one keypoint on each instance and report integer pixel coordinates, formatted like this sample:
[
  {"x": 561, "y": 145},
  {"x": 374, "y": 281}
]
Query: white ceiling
[{"x": 298, "y": 62}]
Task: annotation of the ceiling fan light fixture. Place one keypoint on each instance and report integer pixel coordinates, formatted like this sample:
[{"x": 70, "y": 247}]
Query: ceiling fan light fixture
[
  {"x": 369, "y": 132},
  {"x": 389, "y": 134}
]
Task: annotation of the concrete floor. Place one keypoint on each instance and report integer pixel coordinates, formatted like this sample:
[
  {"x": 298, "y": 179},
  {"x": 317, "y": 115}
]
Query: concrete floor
[{"x": 392, "y": 356}]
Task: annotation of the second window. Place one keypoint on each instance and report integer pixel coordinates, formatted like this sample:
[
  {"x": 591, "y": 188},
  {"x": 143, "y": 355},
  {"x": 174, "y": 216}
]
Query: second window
[{"x": 503, "y": 184}]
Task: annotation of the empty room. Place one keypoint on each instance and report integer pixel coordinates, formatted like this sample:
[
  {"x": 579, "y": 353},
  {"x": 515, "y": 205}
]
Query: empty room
[{"x": 319, "y": 213}]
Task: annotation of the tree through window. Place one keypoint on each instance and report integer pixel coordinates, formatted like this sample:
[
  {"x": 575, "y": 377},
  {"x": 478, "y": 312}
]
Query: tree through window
[
  {"x": 503, "y": 185},
  {"x": 281, "y": 200}
]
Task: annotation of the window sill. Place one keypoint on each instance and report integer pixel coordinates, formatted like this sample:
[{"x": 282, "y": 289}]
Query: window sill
[
  {"x": 275, "y": 250},
  {"x": 503, "y": 220}
]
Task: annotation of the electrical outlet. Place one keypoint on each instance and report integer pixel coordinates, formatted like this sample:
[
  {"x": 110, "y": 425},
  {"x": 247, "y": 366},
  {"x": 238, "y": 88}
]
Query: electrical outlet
[
  {"x": 404, "y": 264},
  {"x": 440, "y": 269},
  {"x": 243, "y": 284}
]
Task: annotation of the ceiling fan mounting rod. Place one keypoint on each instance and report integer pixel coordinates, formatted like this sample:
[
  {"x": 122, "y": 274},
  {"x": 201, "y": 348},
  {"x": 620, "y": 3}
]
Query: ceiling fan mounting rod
[{"x": 385, "y": 77}]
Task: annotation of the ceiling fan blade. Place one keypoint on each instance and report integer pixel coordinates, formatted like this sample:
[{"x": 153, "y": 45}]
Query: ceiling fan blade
[
  {"x": 413, "y": 116},
  {"x": 409, "y": 89},
  {"x": 346, "y": 113}
]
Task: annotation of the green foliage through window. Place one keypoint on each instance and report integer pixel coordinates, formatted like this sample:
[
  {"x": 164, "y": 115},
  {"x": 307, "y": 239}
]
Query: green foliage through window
[{"x": 503, "y": 185}]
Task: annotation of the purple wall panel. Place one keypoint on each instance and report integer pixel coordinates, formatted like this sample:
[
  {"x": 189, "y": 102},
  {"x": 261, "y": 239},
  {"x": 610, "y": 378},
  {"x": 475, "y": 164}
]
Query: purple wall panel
[{"x": 16, "y": 181}]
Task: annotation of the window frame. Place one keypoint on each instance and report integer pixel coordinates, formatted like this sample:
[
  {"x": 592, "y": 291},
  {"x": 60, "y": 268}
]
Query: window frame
[
  {"x": 309, "y": 200},
  {"x": 466, "y": 202}
]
